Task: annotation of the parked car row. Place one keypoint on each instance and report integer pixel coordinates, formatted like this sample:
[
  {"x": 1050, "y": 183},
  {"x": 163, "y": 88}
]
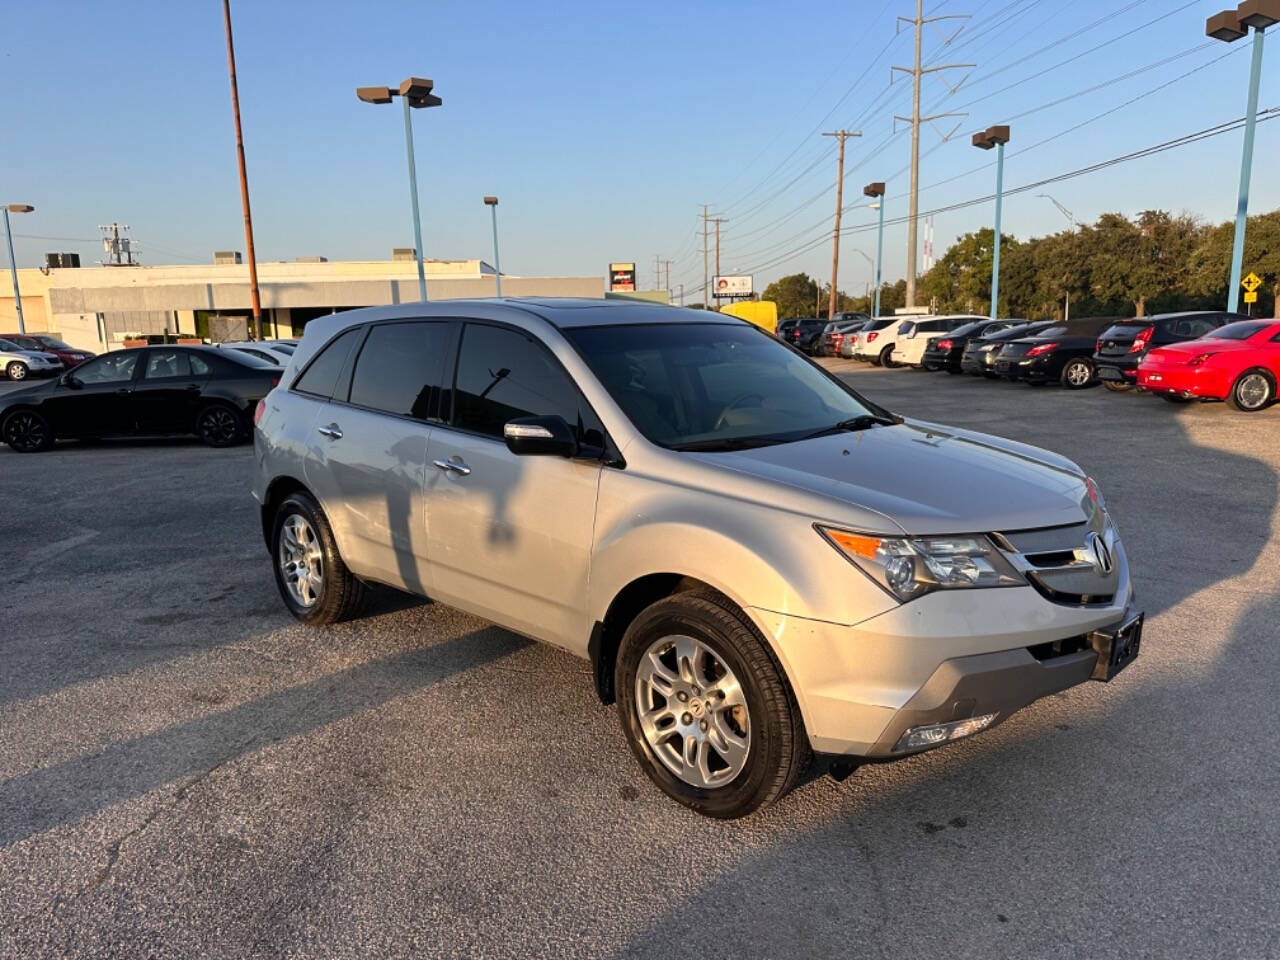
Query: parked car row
[
  {"x": 141, "y": 391},
  {"x": 1194, "y": 355},
  {"x": 35, "y": 355}
]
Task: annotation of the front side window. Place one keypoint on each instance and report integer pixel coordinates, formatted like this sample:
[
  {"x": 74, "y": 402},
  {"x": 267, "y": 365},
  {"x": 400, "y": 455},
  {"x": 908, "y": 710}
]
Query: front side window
[
  {"x": 112, "y": 368},
  {"x": 321, "y": 377},
  {"x": 709, "y": 385},
  {"x": 503, "y": 374},
  {"x": 400, "y": 367}
]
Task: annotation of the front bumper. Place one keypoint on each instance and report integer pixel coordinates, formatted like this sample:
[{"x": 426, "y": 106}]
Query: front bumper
[{"x": 949, "y": 655}]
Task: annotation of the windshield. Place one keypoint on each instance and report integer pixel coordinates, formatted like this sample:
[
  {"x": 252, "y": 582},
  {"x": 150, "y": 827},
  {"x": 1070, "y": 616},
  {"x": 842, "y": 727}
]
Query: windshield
[
  {"x": 1240, "y": 331},
  {"x": 55, "y": 343},
  {"x": 714, "y": 386},
  {"x": 285, "y": 348},
  {"x": 8, "y": 345}
]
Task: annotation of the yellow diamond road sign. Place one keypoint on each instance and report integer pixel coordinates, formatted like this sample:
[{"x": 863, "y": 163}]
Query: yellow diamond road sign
[{"x": 1252, "y": 282}]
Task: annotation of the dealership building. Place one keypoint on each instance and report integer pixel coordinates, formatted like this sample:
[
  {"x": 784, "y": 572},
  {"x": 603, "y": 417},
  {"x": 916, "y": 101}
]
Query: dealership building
[{"x": 96, "y": 308}]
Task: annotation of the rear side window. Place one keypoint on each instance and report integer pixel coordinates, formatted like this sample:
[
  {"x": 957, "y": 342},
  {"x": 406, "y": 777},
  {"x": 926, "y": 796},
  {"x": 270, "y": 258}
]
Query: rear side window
[
  {"x": 502, "y": 375},
  {"x": 174, "y": 363},
  {"x": 1192, "y": 328},
  {"x": 906, "y": 327},
  {"x": 400, "y": 368},
  {"x": 321, "y": 376}
]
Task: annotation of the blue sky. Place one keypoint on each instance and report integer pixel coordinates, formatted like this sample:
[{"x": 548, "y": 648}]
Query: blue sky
[{"x": 601, "y": 127}]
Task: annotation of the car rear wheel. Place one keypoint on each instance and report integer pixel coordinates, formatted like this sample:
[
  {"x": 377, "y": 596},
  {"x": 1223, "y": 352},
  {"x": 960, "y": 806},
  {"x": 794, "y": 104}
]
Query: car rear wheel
[
  {"x": 16, "y": 370},
  {"x": 1077, "y": 374},
  {"x": 27, "y": 432},
  {"x": 1253, "y": 390},
  {"x": 220, "y": 426},
  {"x": 313, "y": 581},
  {"x": 1115, "y": 387},
  {"x": 706, "y": 709}
]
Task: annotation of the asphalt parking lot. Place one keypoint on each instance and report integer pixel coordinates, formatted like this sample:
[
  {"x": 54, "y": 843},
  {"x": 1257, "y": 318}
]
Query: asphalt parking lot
[{"x": 184, "y": 771}]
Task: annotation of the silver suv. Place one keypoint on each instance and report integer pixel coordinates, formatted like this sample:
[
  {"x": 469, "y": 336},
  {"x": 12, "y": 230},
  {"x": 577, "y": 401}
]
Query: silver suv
[{"x": 763, "y": 567}]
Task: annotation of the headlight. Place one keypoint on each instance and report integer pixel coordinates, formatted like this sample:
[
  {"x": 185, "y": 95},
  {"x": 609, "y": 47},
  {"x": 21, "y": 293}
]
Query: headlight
[{"x": 909, "y": 567}]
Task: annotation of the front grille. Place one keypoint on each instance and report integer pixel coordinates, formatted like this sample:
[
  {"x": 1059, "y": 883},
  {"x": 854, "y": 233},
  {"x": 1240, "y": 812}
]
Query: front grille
[{"x": 1058, "y": 563}]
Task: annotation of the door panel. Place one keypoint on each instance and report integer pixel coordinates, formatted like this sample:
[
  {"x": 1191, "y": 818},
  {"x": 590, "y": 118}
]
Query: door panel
[
  {"x": 367, "y": 469},
  {"x": 99, "y": 400},
  {"x": 511, "y": 540},
  {"x": 168, "y": 395}
]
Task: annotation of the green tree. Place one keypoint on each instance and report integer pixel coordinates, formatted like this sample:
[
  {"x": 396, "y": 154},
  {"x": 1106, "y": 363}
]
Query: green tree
[
  {"x": 796, "y": 295},
  {"x": 1210, "y": 265}
]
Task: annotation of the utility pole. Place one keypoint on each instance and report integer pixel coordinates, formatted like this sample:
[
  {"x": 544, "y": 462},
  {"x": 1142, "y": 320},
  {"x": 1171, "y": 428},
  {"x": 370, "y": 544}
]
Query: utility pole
[
  {"x": 840, "y": 135},
  {"x": 682, "y": 294},
  {"x": 717, "y": 221},
  {"x": 917, "y": 72},
  {"x": 706, "y": 283},
  {"x": 657, "y": 272},
  {"x": 666, "y": 276},
  {"x": 244, "y": 179}
]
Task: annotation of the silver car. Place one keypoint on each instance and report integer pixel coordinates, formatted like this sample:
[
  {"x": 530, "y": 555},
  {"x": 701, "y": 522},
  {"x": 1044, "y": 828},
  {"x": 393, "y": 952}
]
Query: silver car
[
  {"x": 764, "y": 568},
  {"x": 19, "y": 363}
]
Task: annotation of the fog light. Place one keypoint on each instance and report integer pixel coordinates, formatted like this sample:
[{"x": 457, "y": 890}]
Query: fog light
[{"x": 933, "y": 734}]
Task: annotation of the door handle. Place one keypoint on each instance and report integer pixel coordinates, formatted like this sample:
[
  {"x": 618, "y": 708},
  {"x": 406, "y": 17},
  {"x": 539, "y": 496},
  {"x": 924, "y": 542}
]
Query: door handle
[
  {"x": 331, "y": 431},
  {"x": 453, "y": 466}
]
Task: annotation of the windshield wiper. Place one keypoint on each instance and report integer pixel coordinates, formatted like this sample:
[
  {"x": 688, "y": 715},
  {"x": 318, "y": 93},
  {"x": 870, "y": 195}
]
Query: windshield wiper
[
  {"x": 861, "y": 422},
  {"x": 726, "y": 443}
]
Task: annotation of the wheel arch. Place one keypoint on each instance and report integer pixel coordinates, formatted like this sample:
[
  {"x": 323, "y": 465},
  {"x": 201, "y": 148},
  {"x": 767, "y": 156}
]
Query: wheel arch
[{"x": 277, "y": 490}]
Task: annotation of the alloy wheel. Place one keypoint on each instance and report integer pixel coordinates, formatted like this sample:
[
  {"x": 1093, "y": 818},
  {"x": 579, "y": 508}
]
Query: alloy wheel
[
  {"x": 218, "y": 426},
  {"x": 301, "y": 561},
  {"x": 1079, "y": 373},
  {"x": 17, "y": 371},
  {"x": 26, "y": 431},
  {"x": 693, "y": 711},
  {"x": 1253, "y": 391}
]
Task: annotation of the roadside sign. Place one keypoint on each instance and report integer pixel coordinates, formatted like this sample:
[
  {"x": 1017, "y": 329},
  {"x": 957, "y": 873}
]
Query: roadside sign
[
  {"x": 622, "y": 277},
  {"x": 1251, "y": 283},
  {"x": 1251, "y": 296},
  {"x": 732, "y": 288}
]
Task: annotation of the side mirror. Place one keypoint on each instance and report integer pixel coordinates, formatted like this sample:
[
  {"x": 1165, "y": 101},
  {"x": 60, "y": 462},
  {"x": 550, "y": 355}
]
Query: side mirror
[{"x": 540, "y": 436}]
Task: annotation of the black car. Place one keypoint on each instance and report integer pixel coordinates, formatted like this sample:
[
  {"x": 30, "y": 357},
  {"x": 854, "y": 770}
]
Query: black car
[
  {"x": 1121, "y": 347},
  {"x": 142, "y": 391},
  {"x": 1061, "y": 352},
  {"x": 806, "y": 333},
  {"x": 945, "y": 352},
  {"x": 979, "y": 354}
]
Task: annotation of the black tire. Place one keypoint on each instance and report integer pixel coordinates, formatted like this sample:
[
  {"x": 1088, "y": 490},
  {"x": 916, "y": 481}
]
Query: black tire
[
  {"x": 778, "y": 751},
  {"x": 16, "y": 370},
  {"x": 1077, "y": 373},
  {"x": 220, "y": 425},
  {"x": 341, "y": 594},
  {"x": 1116, "y": 387},
  {"x": 885, "y": 359},
  {"x": 26, "y": 431},
  {"x": 1253, "y": 390}
]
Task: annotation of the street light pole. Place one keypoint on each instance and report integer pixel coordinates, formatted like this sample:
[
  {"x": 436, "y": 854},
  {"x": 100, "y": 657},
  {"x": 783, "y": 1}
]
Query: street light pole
[
  {"x": 1231, "y": 25},
  {"x": 415, "y": 92},
  {"x": 876, "y": 190},
  {"x": 995, "y": 136},
  {"x": 492, "y": 204},
  {"x": 13, "y": 263}
]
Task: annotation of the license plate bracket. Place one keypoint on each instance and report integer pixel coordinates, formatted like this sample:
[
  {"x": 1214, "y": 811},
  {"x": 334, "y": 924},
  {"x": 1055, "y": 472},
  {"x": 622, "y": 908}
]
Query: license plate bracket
[{"x": 1117, "y": 647}]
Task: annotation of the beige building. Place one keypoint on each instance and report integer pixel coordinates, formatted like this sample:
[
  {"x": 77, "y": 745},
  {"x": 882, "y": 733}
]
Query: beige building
[{"x": 95, "y": 308}]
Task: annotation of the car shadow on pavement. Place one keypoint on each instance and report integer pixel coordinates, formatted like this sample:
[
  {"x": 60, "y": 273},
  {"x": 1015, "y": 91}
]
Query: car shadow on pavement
[
  {"x": 179, "y": 756},
  {"x": 1131, "y": 818}
]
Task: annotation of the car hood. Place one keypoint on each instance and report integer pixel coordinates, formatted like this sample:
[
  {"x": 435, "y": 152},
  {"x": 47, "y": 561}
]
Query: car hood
[
  {"x": 28, "y": 394},
  {"x": 926, "y": 478}
]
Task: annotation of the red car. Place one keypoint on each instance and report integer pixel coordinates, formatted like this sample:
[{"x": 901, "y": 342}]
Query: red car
[{"x": 1239, "y": 363}]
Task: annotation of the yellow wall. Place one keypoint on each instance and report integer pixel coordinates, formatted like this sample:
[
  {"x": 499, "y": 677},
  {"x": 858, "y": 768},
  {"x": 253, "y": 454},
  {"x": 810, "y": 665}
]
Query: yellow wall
[{"x": 34, "y": 285}]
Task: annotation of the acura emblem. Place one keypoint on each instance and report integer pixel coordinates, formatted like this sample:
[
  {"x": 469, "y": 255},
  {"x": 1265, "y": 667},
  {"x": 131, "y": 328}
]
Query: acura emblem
[{"x": 1102, "y": 561}]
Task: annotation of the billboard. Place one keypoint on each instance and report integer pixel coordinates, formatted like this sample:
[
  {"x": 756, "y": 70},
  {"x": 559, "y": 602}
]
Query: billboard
[
  {"x": 622, "y": 277},
  {"x": 731, "y": 288}
]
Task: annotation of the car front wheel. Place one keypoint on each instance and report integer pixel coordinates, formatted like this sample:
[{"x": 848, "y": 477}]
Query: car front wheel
[
  {"x": 886, "y": 358},
  {"x": 1253, "y": 390},
  {"x": 26, "y": 431},
  {"x": 706, "y": 708},
  {"x": 313, "y": 581}
]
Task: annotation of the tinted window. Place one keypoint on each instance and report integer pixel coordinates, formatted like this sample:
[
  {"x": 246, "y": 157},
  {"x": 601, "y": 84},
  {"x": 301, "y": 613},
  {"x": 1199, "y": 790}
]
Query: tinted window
[
  {"x": 1241, "y": 331},
  {"x": 502, "y": 374},
  {"x": 400, "y": 367},
  {"x": 707, "y": 384},
  {"x": 321, "y": 376},
  {"x": 879, "y": 323},
  {"x": 1192, "y": 328},
  {"x": 167, "y": 363},
  {"x": 256, "y": 354},
  {"x": 250, "y": 359},
  {"x": 199, "y": 366},
  {"x": 904, "y": 329},
  {"x": 1126, "y": 329},
  {"x": 113, "y": 368}
]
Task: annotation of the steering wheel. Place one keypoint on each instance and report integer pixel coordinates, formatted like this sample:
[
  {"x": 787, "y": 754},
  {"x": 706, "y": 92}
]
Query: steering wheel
[{"x": 734, "y": 404}]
